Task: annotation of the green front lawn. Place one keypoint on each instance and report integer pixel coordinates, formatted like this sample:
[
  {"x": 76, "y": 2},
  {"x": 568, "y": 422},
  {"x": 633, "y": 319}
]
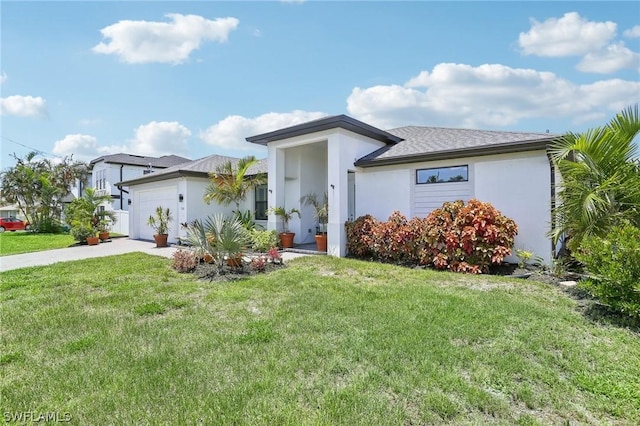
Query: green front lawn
[
  {"x": 324, "y": 341},
  {"x": 27, "y": 242}
]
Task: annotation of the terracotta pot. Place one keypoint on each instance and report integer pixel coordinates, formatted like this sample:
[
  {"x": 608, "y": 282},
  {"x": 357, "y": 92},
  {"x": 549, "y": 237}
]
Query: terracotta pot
[
  {"x": 207, "y": 258},
  {"x": 93, "y": 241},
  {"x": 286, "y": 239},
  {"x": 321, "y": 242},
  {"x": 235, "y": 262},
  {"x": 161, "y": 240},
  {"x": 103, "y": 235}
]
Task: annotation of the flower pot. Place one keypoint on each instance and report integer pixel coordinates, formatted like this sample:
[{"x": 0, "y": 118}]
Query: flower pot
[
  {"x": 207, "y": 258},
  {"x": 93, "y": 241},
  {"x": 161, "y": 240},
  {"x": 321, "y": 242},
  {"x": 104, "y": 236},
  {"x": 286, "y": 239},
  {"x": 235, "y": 262}
]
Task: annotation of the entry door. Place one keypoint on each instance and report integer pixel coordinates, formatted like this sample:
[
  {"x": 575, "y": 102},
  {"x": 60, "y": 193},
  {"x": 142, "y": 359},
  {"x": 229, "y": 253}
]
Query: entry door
[{"x": 351, "y": 194}]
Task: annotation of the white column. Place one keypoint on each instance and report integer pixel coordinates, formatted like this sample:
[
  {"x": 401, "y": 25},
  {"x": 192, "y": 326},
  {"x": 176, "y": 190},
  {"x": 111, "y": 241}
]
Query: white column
[{"x": 276, "y": 169}]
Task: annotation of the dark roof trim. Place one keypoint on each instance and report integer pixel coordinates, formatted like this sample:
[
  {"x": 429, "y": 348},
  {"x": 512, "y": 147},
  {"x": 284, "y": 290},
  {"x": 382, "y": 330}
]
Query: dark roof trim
[
  {"x": 342, "y": 121},
  {"x": 506, "y": 148},
  {"x": 157, "y": 177}
]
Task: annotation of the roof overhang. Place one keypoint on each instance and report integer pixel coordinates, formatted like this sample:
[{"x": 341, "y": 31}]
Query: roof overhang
[
  {"x": 157, "y": 177},
  {"x": 332, "y": 122},
  {"x": 506, "y": 148}
]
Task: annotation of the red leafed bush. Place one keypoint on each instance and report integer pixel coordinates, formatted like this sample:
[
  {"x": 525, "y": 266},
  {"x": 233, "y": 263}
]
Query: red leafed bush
[
  {"x": 360, "y": 237},
  {"x": 184, "y": 261},
  {"x": 468, "y": 238},
  {"x": 462, "y": 238}
]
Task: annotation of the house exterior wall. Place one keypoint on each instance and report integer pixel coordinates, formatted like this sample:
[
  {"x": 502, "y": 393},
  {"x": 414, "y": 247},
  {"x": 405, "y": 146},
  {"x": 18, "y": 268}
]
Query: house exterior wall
[
  {"x": 167, "y": 191},
  {"x": 111, "y": 173},
  {"x": 518, "y": 184}
]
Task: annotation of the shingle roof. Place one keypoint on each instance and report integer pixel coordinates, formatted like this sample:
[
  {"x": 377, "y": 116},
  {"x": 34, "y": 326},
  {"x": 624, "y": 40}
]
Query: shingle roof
[
  {"x": 431, "y": 143},
  {"x": 141, "y": 160},
  {"x": 199, "y": 168}
]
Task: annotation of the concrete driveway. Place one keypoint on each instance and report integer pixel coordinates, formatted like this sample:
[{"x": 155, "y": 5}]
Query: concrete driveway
[{"x": 115, "y": 246}]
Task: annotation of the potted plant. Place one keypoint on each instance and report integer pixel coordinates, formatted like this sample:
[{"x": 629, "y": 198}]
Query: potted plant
[
  {"x": 321, "y": 214},
  {"x": 286, "y": 237},
  {"x": 160, "y": 224}
]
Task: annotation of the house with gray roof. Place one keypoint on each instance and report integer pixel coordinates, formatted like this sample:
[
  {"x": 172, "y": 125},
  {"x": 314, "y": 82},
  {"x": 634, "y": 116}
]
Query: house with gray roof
[
  {"x": 366, "y": 170},
  {"x": 412, "y": 169},
  {"x": 107, "y": 170},
  {"x": 181, "y": 188}
]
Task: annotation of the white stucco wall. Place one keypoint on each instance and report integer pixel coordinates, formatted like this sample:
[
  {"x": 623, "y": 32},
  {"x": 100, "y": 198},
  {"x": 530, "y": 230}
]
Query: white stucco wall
[
  {"x": 518, "y": 184},
  {"x": 520, "y": 187}
]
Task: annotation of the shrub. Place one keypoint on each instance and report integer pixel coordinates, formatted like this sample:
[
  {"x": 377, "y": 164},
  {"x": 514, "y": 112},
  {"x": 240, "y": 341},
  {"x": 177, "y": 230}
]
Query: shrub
[
  {"x": 263, "y": 240},
  {"x": 258, "y": 264},
  {"x": 468, "y": 238},
  {"x": 614, "y": 267},
  {"x": 458, "y": 237},
  {"x": 184, "y": 260},
  {"x": 274, "y": 255},
  {"x": 359, "y": 236},
  {"x": 81, "y": 232}
]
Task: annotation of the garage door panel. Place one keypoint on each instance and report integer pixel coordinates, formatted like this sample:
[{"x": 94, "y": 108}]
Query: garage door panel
[{"x": 148, "y": 202}]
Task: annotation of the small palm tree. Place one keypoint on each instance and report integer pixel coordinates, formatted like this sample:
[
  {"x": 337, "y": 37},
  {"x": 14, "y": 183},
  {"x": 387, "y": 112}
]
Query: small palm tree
[
  {"x": 230, "y": 182},
  {"x": 600, "y": 178},
  {"x": 320, "y": 206},
  {"x": 160, "y": 222},
  {"x": 285, "y": 215}
]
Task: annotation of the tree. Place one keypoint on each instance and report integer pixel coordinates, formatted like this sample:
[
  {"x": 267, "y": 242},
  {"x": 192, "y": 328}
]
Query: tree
[
  {"x": 600, "y": 185},
  {"x": 230, "y": 182},
  {"x": 37, "y": 187}
]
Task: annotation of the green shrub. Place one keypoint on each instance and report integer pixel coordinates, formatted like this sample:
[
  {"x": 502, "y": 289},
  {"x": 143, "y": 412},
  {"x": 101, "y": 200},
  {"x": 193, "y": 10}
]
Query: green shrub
[
  {"x": 263, "y": 240},
  {"x": 613, "y": 264},
  {"x": 81, "y": 232}
]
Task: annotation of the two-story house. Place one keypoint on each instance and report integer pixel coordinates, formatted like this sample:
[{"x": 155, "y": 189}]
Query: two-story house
[{"x": 107, "y": 170}]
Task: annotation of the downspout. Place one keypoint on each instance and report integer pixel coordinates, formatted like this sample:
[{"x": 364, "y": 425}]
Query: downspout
[
  {"x": 120, "y": 188},
  {"x": 552, "y": 168}
]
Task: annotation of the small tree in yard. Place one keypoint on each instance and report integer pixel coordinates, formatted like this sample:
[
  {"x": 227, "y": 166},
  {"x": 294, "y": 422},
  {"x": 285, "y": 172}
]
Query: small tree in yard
[
  {"x": 37, "y": 187},
  {"x": 231, "y": 182}
]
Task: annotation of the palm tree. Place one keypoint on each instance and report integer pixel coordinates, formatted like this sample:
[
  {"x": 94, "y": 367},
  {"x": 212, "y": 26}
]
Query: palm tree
[
  {"x": 600, "y": 172},
  {"x": 230, "y": 183}
]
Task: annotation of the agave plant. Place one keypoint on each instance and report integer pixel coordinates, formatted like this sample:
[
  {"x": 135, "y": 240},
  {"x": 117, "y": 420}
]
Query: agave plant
[{"x": 218, "y": 237}]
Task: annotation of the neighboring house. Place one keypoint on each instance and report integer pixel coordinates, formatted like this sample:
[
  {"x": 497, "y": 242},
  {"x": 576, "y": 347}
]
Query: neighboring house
[
  {"x": 11, "y": 210},
  {"x": 412, "y": 169},
  {"x": 181, "y": 188},
  {"x": 107, "y": 170}
]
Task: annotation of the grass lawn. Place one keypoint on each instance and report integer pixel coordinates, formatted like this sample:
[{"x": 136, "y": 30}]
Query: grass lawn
[
  {"x": 27, "y": 242},
  {"x": 324, "y": 341}
]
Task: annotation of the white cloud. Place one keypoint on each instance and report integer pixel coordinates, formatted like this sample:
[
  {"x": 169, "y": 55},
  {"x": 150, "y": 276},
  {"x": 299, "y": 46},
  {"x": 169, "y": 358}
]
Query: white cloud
[
  {"x": 160, "y": 138},
  {"x": 82, "y": 147},
  {"x": 3, "y": 77},
  {"x": 489, "y": 95},
  {"x": 567, "y": 36},
  {"x": 153, "y": 139},
  {"x": 166, "y": 42},
  {"x": 24, "y": 106},
  {"x": 230, "y": 133},
  {"x": 633, "y": 32},
  {"x": 609, "y": 60}
]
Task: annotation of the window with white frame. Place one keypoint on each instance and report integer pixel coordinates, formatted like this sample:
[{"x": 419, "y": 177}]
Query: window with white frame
[{"x": 443, "y": 174}]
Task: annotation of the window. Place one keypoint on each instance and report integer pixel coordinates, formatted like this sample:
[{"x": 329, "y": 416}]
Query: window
[
  {"x": 443, "y": 174},
  {"x": 261, "y": 202}
]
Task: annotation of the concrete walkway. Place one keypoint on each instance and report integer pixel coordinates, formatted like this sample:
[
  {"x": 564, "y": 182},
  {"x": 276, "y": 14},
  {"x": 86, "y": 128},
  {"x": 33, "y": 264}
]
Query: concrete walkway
[{"x": 114, "y": 247}]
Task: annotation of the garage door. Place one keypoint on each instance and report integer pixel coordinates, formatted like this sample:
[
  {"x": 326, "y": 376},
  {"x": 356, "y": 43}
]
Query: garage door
[{"x": 149, "y": 200}]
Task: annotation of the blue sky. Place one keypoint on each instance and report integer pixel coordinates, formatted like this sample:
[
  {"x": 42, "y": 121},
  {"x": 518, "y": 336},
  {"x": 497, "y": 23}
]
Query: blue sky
[{"x": 196, "y": 78}]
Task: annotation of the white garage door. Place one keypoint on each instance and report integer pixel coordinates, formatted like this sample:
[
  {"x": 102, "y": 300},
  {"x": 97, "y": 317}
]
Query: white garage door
[{"x": 149, "y": 200}]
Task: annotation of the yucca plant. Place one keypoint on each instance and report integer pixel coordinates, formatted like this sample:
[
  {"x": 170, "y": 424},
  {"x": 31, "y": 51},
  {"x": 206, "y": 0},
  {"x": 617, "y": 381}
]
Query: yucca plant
[{"x": 320, "y": 207}]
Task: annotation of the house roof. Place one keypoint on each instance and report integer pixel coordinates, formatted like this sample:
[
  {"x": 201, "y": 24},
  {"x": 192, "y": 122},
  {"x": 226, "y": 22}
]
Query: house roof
[
  {"x": 435, "y": 143},
  {"x": 326, "y": 123},
  {"x": 195, "y": 168},
  {"x": 140, "y": 160}
]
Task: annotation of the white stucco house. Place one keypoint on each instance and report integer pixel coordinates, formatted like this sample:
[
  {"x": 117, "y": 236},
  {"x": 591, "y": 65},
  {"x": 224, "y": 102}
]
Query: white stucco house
[
  {"x": 181, "y": 188},
  {"x": 366, "y": 170}
]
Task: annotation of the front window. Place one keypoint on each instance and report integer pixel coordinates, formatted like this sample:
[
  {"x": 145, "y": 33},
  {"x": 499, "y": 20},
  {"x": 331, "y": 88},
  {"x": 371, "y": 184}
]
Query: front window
[
  {"x": 261, "y": 202},
  {"x": 443, "y": 174}
]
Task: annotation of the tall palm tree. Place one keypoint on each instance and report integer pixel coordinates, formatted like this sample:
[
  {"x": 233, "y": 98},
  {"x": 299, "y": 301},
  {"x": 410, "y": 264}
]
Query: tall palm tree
[
  {"x": 600, "y": 184},
  {"x": 230, "y": 182}
]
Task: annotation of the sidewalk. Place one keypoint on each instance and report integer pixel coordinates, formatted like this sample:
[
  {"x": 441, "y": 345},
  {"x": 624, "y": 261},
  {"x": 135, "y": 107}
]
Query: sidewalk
[{"x": 114, "y": 247}]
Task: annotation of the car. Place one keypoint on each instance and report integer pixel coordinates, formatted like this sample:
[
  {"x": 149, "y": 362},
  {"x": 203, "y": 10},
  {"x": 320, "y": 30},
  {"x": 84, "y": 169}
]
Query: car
[{"x": 12, "y": 224}]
